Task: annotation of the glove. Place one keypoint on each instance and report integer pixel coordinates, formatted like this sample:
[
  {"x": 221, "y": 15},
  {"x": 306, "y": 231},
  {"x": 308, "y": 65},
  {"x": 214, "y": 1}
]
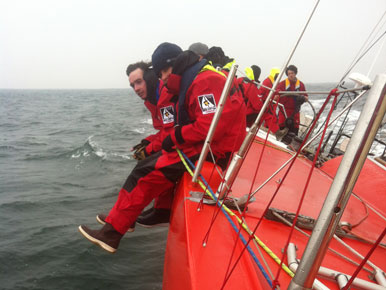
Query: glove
[
  {"x": 143, "y": 143},
  {"x": 300, "y": 99},
  {"x": 167, "y": 144},
  {"x": 184, "y": 61},
  {"x": 140, "y": 153}
]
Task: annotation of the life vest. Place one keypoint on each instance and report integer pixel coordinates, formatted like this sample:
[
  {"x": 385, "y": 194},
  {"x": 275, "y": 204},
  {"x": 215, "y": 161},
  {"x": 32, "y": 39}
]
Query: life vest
[
  {"x": 186, "y": 80},
  {"x": 288, "y": 85},
  {"x": 274, "y": 71}
]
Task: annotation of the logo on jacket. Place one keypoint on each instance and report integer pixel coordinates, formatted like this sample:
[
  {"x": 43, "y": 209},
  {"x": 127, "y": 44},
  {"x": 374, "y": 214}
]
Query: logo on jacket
[
  {"x": 167, "y": 114},
  {"x": 207, "y": 103}
]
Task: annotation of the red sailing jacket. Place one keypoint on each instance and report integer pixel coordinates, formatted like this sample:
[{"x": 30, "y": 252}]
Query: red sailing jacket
[
  {"x": 264, "y": 92},
  {"x": 163, "y": 115},
  {"x": 201, "y": 101},
  {"x": 289, "y": 101},
  {"x": 251, "y": 96}
]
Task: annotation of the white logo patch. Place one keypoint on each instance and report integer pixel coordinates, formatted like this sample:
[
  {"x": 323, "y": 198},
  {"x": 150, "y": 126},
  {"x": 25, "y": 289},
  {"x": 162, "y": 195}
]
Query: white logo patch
[
  {"x": 207, "y": 104},
  {"x": 167, "y": 114}
]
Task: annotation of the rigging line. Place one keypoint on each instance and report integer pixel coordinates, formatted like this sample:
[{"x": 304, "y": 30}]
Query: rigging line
[
  {"x": 284, "y": 177},
  {"x": 206, "y": 237},
  {"x": 366, "y": 215},
  {"x": 364, "y": 53},
  {"x": 227, "y": 212},
  {"x": 248, "y": 200},
  {"x": 372, "y": 208},
  {"x": 366, "y": 42},
  {"x": 364, "y": 260},
  {"x": 244, "y": 224},
  {"x": 240, "y": 157},
  {"x": 284, "y": 220},
  {"x": 215, "y": 213},
  {"x": 308, "y": 143},
  {"x": 376, "y": 57},
  {"x": 307, "y": 183}
]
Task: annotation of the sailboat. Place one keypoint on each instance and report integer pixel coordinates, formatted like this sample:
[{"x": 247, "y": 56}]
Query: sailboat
[{"x": 280, "y": 219}]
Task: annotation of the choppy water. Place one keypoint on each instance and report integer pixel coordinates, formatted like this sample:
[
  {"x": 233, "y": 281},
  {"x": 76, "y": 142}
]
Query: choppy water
[{"x": 64, "y": 155}]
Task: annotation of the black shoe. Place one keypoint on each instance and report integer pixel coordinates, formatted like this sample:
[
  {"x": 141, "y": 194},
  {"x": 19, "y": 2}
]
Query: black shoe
[
  {"x": 101, "y": 218},
  {"x": 156, "y": 217},
  {"x": 146, "y": 212},
  {"x": 287, "y": 139},
  {"x": 107, "y": 237}
]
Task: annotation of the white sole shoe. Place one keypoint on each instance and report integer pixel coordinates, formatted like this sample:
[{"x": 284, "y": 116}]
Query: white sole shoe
[
  {"x": 96, "y": 241},
  {"x": 99, "y": 220}
]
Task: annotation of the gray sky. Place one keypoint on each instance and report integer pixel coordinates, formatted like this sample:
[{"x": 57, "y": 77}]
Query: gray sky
[{"x": 89, "y": 43}]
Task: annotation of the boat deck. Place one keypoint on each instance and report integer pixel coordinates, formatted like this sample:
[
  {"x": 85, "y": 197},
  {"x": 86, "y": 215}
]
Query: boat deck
[{"x": 201, "y": 267}]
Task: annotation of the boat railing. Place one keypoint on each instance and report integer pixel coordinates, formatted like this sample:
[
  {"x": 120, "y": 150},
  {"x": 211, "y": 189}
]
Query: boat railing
[
  {"x": 341, "y": 188},
  {"x": 216, "y": 118}
]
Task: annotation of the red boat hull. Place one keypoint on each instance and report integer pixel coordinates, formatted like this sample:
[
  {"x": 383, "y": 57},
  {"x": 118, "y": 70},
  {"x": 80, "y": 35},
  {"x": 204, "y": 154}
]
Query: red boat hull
[{"x": 190, "y": 265}]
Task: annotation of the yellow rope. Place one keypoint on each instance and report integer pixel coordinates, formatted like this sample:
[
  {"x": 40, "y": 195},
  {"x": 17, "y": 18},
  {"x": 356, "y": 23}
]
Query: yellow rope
[{"x": 231, "y": 213}]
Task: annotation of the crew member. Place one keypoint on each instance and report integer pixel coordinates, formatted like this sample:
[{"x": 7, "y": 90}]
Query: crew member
[
  {"x": 290, "y": 118},
  {"x": 200, "y": 49},
  {"x": 250, "y": 92},
  {"x": 157, "y": 100},
  {"x": 199, "y": 92},
  {"x": 161, "y": 106}
]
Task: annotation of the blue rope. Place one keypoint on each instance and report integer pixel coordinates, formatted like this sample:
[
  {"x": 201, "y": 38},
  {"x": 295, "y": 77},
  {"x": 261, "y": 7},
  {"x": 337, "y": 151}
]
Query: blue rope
[{"x": 232, "y": 223}]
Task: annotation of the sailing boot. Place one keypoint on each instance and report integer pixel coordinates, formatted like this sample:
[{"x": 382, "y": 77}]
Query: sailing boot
[
  {"x": 279, "y": 134},
  {"x": 155, "y": 217},
  {"x": 101, "y": 218},
  {"x": 107, "y": 237},
  {"x": 287, "y": 139}
]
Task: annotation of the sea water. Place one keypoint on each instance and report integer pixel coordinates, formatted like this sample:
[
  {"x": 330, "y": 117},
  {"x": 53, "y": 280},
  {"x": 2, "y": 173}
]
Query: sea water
[{"x": 64, "y": 154}]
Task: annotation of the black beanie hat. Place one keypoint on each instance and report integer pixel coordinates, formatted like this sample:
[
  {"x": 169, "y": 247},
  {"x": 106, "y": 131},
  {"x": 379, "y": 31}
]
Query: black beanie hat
[
  {"x": 293, "y": 68},
  {"x": 216, "y": 55},
  {"x": 164, "y": 56},
  {"x": 256, "y": 72}
]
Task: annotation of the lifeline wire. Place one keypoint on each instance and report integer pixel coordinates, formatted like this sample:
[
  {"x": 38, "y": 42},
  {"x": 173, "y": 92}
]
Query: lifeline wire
[
  {"x": 308, "y": 181},
  {"x": 285, "y": 174},
  {"x": 203, "y": 184}
]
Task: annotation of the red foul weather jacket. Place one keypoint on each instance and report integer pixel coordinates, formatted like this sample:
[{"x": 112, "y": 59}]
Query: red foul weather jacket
[
  {"x": 289, "y": 101},
  {"x": 201, "y": 102},
  {"x": 251, "y": 96},
  {"x": 162, "y": 113}
]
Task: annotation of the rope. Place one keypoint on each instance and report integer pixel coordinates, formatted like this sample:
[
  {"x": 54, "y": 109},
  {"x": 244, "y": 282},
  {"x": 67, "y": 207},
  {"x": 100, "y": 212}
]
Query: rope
[
  {"x": 248, "y": 199},
  {"x": 225, "y": 210}
]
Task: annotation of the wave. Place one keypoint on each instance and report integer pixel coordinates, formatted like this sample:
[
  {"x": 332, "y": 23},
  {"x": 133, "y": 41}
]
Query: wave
[
  {"x": 92, "y": 149},
  {"x": 89, "y": 150}
]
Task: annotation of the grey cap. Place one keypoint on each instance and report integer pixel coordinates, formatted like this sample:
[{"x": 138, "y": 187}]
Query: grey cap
[{"x": 199, "y": 48}]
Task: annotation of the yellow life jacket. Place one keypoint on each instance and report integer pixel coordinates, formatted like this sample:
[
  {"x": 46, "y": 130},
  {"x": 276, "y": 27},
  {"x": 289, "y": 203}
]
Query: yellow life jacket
[
  {"x": 212, "y": 68},
  {"x": 249, "y": 73},
  {"x": 288, "y": 84},
  {"x": 274, "y": 71}
]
